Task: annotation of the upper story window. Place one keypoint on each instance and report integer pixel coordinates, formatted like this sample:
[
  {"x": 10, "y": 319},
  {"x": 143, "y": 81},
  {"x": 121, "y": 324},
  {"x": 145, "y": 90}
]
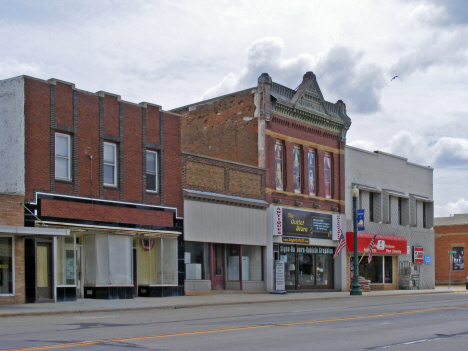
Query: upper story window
[
  {"x": 297, "y": 169},
  {"x": 62, "y": 156},
  {"x": 279, "y": 165},
  {"x": 424, "y": 219},
  {"x": 371, "y": 207},
  {"x": 151, "y": 171},
  {"x": 110, "y": 164},
  {"x": 400, "y": 217},
  {"x": 311, "y": 171},
  {"x": 328, "y": 175}
]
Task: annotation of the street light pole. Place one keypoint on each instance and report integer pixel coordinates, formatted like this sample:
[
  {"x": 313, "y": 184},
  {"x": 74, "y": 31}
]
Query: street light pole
[{"x": 356, "y": 289}]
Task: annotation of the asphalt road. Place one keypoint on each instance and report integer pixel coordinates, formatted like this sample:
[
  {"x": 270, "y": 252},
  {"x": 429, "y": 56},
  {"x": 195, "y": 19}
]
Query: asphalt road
[{"x": 418, "y": 322}]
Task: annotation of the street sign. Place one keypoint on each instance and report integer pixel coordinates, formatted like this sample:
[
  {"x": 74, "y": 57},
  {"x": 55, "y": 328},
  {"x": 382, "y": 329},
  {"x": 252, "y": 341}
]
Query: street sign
[{"x": 452, "y": 252}]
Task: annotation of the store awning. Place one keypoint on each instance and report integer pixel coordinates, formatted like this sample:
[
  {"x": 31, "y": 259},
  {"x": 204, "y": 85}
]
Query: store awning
[
  {"x": 93, "y": 229},
  {"x": 383, "y": 244},
  {"x": 32, "y": 231}
]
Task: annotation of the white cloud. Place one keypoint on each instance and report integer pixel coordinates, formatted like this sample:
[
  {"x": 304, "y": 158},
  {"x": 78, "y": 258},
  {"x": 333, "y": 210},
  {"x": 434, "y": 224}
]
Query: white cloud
[{"x": 451, "y": 208}]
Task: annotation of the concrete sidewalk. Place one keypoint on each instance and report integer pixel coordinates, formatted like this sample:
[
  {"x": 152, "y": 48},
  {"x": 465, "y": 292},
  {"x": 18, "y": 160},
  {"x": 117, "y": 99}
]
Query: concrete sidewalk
[{"x": 147, "y": 303}]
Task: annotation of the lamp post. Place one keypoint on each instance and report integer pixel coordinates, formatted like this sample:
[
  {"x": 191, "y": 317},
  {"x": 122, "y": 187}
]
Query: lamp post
[{"x": 356, "y": 289}]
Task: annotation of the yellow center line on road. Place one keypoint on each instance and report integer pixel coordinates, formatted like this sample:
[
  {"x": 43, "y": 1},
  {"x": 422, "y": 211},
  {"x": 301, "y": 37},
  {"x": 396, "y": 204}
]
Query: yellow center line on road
[{"x": 94, "y": 342}]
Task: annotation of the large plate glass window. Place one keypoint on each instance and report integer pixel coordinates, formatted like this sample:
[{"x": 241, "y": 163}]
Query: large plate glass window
[
  {"x": 151, "y": 171},
  {"x": 297, "y": 169},
  {"x": 311, "y": 171},
  {"x": 66, "y": 265},
  {"x": 6, "y": 265},
  {"x": 328, "y": 175},
  {"x": 197, "y": 260},
  {"x": 279, "y": 165},
  {"x": 110, "y": 164},
  {"x": 62, "y": 156}
]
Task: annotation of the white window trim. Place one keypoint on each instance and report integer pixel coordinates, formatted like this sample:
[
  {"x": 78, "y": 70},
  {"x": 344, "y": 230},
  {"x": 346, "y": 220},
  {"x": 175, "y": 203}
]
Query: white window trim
[
  {"x": 12, "y": 264},
  {"x": 114, "y": 165},
  {"x": 67, "y": 136},
  {"x": 155, "y": 172}
]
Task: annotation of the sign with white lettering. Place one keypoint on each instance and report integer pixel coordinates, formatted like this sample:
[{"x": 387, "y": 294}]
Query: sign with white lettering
[
  {"x": 360, "y": 220},
  {"x": 279, "y": 275},
  {"x": 418, "y": 254},
  {"x": 337, "y": 222}
]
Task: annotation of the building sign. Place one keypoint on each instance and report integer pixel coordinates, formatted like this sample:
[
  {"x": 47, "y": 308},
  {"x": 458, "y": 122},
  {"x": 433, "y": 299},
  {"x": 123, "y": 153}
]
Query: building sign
[
  {"x": 279, "y": 276},
  {"x": 337, "y": 222},
  {"x": 360, "y": 220},
  {"x": 458, "y": 258},
  {"x": 278, "y": 220},
  {"x": 384, "y": 244},
  {"x": 427, "y": 260},
  {"x": 306, "y": 224},
  {"x": 295, "y": 240},
  {"x": 284, "y": 249},
  {"x": 418, "y": 254}
]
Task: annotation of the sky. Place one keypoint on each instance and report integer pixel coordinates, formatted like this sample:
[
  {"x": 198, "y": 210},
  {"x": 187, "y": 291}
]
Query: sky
[{"x": 173, "y": 53}]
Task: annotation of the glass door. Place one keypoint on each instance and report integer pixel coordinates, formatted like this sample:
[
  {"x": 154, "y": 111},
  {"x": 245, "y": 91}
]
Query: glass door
[
  {"x": 217, "y": 283},
  {"x": 43, "y": 272},
  {"x": 306, "y": 271}
]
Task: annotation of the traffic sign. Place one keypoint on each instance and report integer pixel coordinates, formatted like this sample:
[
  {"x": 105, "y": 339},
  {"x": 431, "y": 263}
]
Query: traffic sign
[{"x": 452, "y": 252}]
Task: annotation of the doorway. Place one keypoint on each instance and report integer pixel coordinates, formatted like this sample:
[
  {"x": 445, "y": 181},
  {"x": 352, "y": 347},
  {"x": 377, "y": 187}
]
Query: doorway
[
  {"x": 79, "y": 271},
  {"x": 218, "y": 267},
  {"x": 44, "y": 281}
]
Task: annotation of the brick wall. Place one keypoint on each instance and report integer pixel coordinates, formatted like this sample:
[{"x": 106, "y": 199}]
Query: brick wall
[
  {"x": 90, "y": 120},
  {"x": 228, "y": 178},
  {"x": 291, "y": 133},
  {"x": 223, "y": 128},
  {"x": 447, "y": 238},
  {"x": 12, "y": 214}
]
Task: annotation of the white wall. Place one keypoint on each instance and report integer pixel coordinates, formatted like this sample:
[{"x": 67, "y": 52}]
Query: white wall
[{"x": 12, "y": 136}]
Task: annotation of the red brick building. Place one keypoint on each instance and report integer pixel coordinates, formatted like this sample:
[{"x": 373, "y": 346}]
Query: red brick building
[
  {"x": 298, "y": 138},
  {"x": 451, "y": 238},
  {"x": 107, "y": 170}
]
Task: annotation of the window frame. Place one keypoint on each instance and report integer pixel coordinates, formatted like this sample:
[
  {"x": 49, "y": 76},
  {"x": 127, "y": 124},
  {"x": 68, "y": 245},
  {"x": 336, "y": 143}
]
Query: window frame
[
  {"x": 68, "y": 137},
  {"x": 155, "y": 172},
  {"x": 297, "y": 152},
  {"x": 13, "y": 260},
  {"x": 312, "y": 167},
  {"x": 104, "y": 164},
  {"x": 279, "y": 144},
  {"x": 371, "y": 206},
  {"x": 330, "y": 180}
]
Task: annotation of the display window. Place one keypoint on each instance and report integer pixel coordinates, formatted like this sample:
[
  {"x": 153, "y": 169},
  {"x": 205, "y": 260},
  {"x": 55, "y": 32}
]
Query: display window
[
  {"x": 6, "y": 265},
  {"x": 197, "y": 260},
  {"x": 66, "y": 261},
  {"x": 379, "y": 271},
  {"x": 157, "y": 261},
  {"x": 307, "y": 267}
]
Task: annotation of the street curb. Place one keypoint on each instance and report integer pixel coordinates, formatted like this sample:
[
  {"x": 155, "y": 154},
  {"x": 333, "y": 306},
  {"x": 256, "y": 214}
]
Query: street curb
[{"x": 207, "y": 304}]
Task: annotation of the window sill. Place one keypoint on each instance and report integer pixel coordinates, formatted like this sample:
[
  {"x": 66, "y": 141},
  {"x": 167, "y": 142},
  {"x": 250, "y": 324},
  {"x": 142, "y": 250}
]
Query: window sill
[
  {"x": 152, "y": 192},
  {"x": 63, "y": 181},
  {"x": 110, "y": 187}
]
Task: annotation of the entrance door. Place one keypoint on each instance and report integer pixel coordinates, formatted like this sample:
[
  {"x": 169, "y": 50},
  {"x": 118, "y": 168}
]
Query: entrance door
[
  {"x": 44, "y": 279},
  {"x": 217, "y": 282},
  {"x": 79, "y": 271},
  {"x": 306, "y": 271},
  {"x": 135, "y": 272}
]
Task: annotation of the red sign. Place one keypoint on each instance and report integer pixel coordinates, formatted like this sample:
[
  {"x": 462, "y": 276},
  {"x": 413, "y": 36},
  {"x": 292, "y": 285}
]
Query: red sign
[
  {"x": 418, "y": 254},
  {"x": 384, "y": 244}
]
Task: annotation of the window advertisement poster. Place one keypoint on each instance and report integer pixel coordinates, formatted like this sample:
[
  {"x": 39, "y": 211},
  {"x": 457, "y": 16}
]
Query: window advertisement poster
[
  {"x": 360, "y": 220},
  {"x": 297, "y": 169},
  {"x": 279, "y": 165},
  {"x": 458, "y": 259},
  {"x": 307, "y": 224},
  {"x": 418, "y": 254}
]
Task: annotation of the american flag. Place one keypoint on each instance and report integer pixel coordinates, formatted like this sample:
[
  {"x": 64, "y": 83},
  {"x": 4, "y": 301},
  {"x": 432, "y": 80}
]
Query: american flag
[
  {"x": 371, "y": 248},
  {"x": 341, "y": 244}
]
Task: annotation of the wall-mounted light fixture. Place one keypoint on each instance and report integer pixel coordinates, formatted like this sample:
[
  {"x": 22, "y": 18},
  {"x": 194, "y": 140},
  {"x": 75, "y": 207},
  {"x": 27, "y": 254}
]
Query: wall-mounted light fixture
[
  {"x": 277, "y": 201},
  {"x": 298, "y": 203},
  {"x": 335, "y": 208},
  {"x": 317, "y": 206}
]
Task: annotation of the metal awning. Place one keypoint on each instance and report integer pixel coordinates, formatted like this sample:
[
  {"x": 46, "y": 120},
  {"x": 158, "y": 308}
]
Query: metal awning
[
  {"x": 31, "y": 231},
  {"x": 93, "y": 229}
]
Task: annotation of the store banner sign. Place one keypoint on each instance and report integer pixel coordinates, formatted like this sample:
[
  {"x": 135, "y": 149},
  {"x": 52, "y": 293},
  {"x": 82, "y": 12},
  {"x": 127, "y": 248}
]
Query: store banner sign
[
  {"x": 383, "y": 244},
  {"x": 418, "y": 254},
  {"x": 278, "y": 220},
  {"x": 337, "y": 222},
  {"x": 306, "y": 224},
  {"x": 360, "y": 220},
  {"x": 285, "y": 249}
]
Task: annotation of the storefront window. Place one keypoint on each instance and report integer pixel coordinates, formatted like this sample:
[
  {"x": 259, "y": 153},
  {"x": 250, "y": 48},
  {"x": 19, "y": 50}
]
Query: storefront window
[
  {"x": 157, "y": 261},
  {"x": 380, "y": 268},
  {"x": 6, "y": 265},
  {"x": 232, "y": 253},
  {"x": 324, "y": 269},
  {"x": 197, "y": 260},
  {"x": 254, "y": 261},
  {"x": 66, "y": 260}
]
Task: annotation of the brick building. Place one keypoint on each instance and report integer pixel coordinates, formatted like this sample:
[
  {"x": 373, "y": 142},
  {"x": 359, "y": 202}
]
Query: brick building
[
  {"x": 102, "y": 170},
  {"x": 298, "y": 139},
  {"x": 451, "y": 234},
  {"x": 397, "y": 200}
]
